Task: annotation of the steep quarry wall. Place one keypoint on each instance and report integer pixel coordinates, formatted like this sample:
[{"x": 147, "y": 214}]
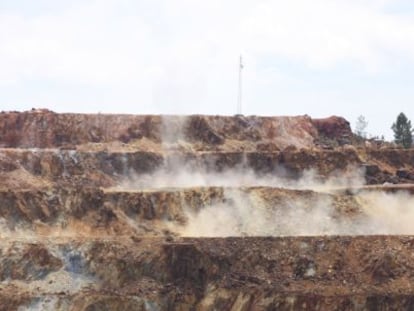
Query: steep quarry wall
[
  {"x": 130, "y": 212},
  {"x": 46, "y": 129},
  {"x": 316, "y": 273}
]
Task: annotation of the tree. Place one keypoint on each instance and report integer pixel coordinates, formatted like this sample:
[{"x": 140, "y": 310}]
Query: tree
[
  {"x": 360, "y": 126},
  {"x": 403, "y": 133}
]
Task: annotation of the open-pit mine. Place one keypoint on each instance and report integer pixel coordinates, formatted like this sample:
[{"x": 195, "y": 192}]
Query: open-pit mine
[{"x": 145, "y": 212}]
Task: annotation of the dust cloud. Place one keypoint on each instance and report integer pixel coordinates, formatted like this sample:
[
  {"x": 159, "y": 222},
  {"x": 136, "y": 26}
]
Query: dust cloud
[
  {"x": 388, "y": 213},
  {"x": 376, "y": 213},
  {"x": 179, "y": 175},
  {"x": 251, "y": 213},
  {"x": 333, "y": 209}
]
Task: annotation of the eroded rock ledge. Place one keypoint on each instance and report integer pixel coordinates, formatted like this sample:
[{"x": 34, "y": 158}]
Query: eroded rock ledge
[
  {"x": 46, "y": 129},
  {"x": 299, "y": 273},
  {"x": 118, "y": 212}
]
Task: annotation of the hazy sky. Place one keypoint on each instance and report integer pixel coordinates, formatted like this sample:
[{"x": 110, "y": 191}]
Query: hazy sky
[{"x": 319, "y": 57}]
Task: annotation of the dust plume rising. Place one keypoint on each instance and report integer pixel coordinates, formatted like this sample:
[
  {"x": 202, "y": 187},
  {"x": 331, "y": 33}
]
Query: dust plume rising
[
  {"x": 375, "y": 213},
  {"x": 306, "y": 206},
  {"x": 181, "y": 175},
  {"x": 388, "y": 213},
  {"x": 247, "y": 209}
]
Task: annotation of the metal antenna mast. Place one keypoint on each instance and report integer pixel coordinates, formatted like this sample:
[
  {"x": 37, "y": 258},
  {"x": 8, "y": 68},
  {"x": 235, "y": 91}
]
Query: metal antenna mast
[{"x": 239, "y": 97}]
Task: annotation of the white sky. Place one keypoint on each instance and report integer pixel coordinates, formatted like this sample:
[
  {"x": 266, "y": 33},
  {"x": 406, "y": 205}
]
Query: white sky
[{"x": 319, "y": 57}]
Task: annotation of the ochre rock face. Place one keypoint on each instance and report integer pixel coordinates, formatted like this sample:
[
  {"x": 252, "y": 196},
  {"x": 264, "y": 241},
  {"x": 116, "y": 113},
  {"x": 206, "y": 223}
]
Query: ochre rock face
[
  {"x": 335, "y": 128},
  {"x": 45, "y": 129},
  {"x": 146, "y": 212}
]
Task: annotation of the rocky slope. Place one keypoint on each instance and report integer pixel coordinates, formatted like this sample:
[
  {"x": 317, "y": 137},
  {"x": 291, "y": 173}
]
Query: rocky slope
[
  {"x": 126, "y": 212},
  {"x": 290, "y": 273}
]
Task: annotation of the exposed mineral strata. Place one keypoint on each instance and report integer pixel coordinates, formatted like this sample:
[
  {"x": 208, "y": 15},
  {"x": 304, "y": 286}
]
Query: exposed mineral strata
[{"x": 129, "y": 212}]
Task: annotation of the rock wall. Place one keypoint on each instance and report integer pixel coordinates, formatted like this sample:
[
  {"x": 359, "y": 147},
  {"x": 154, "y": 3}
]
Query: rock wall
[
  {"x": 300, "y": 273},
  {"x": 129, "y": 212},
  {"x": 46, "y": 129}
]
